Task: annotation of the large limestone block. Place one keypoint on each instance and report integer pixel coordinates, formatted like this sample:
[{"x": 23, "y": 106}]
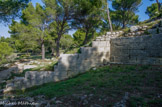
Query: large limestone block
[
  {"x": 72, "y": 73},
  {"x": 138, "y": 53},
  {"x": 66, "y": 60},
  {"x": 102, "y": 44},
  {"x": 7, "y": 73},
  {"x": 95, "y": 43},
  {"x": 88, "y": 50},
  {"x": 101, "y": 49}
]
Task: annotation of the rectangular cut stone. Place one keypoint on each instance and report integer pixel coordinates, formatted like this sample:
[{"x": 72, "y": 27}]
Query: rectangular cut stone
[{"x": 95, "y": 44}]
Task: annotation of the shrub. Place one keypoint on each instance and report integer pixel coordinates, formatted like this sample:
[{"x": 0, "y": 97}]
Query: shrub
[{"x": 5, "y": 51}]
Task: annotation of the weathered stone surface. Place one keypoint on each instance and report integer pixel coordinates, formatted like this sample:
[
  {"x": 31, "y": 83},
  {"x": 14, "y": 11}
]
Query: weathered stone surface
[
  {"x": 134, "y": 28},
  {"x": 137, "y": 50},
  {"x": 29, "y": 66},
  {"x": 7, "y": 73}
]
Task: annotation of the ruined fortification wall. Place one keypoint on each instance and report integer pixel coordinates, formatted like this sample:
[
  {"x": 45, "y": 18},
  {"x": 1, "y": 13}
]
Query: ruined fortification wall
[
  {"x": 68, "y": 65},
  {"x": 137, "y": 50},
  {"x": 108, "y": 48}
]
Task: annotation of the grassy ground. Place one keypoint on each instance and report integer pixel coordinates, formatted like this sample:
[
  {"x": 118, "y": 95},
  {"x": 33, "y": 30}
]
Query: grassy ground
[{"x": 108, "y": 85}]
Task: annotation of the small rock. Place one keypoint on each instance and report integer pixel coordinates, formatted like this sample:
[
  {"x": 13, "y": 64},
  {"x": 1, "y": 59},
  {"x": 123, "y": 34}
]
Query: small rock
[
  {"x": 121, "y": 32},
  {"x": 133, "y": 34},
  {"x": 58, "y": 102},
  {"x": 134, "y": 28},
  {"x": 117, "y": 33},
  {"x": 53, "y": 99},
  {"x": 113, "y": 33},
  {"x": 138, "y": 33},
  {"x": 94, "y": 69},
  {"x": 85, "y": 102},
  {"x": 48, "y": 105},
  {"x": 145, "y": 26},
  {"x": 30, "y": 99},
  {"x": 91, "y": 95},
  {"x": 83, "y": 97},
  {"x": 40, "y": 97},
  {"x": 108, "y": 33}
]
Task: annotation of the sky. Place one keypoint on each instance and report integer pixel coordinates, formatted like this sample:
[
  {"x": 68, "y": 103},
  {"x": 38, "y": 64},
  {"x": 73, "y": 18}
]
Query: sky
[{"x": 142, "y": 16}]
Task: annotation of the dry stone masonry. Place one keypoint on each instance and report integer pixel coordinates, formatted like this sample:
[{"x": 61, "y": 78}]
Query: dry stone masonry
[
  {"x": 109, "y": 48},
  {"x": 137, "y": 50}
]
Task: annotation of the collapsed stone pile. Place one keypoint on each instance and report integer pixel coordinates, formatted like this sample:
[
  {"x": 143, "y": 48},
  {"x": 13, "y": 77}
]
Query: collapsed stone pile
[
  {"x": 109, "y": 35},
  {"x": 140, "y": 30}
]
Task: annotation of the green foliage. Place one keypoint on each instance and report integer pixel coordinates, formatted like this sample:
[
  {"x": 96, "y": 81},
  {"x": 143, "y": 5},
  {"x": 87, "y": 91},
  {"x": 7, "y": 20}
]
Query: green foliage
[
  {"x": 88, "y": 17},
  {"x": 79, "y": 37},
  {"x": 135, "y": 101},
  {"x": 33, "y": 28},
  {"x": 10, "y": 9},
  {"x": 73, "y": 50},
  {"x": 60, "y": 26},
  {"x": 5, "y": 51},
  {"x": 66, "y": 42},
  {"x": 23, "y": 36},
  {"x": 152, "y": 11},
  {"x": 125, "y": 11}
]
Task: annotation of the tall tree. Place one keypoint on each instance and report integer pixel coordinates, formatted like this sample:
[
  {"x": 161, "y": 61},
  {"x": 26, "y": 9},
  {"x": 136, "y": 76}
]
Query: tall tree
[
  {"x": 158, "y": 3},
  {"x": 37, "y": 20},
  {"x": 60, "y": 25},
  {"x": 126, "y": 10},
  {"x": 22, "y": 36},
  {"x": 106, "y": 4},
  {"x": 152, "y": 11},
  {"x": 10, "y": 9},
  {"x": 108, "y": 15},
  {"x": 88, "y": 17}
]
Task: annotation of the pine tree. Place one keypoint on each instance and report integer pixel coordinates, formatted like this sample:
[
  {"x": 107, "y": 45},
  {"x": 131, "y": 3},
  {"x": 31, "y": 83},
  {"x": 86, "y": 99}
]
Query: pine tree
[
  {"x": 125, "y": 10},
  {"x": 10, "y": 9}
]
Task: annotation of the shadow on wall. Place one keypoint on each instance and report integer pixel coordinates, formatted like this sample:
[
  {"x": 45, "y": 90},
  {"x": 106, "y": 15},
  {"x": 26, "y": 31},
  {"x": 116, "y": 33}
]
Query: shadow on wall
[{"x": 73, "y": 64}]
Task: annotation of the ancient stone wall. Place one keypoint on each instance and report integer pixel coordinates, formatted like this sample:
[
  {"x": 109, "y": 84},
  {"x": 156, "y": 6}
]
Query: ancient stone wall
[
  {"x": 68, "y": 65},
  {"x": 109, "y": 48},
  {"x": 137, "y": 50}
]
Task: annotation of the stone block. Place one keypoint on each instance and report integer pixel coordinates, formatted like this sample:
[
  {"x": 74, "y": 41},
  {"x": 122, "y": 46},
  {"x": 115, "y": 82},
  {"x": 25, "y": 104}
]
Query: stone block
[
  {"x": 134, "y": 28},
  {"x": 101, "y": 49},
  {"x": 95, "y": 44},
  {"x": 102, "y": 44},
  {"x": 29, "y": 66},
  {"x": 108, "y": 33}
]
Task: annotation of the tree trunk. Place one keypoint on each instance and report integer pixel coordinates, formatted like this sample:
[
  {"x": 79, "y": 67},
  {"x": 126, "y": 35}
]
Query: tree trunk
[
  {"x": 86, "y": 37},
  {"x": 109, "y": 19},
  {"x": 157, "y": 1},
  {"x": 52, "y": 53},
  {"x": 124, "y": 24},
  {"x": 43, "y": 50},
  {"x": 58, "y": 47}
]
